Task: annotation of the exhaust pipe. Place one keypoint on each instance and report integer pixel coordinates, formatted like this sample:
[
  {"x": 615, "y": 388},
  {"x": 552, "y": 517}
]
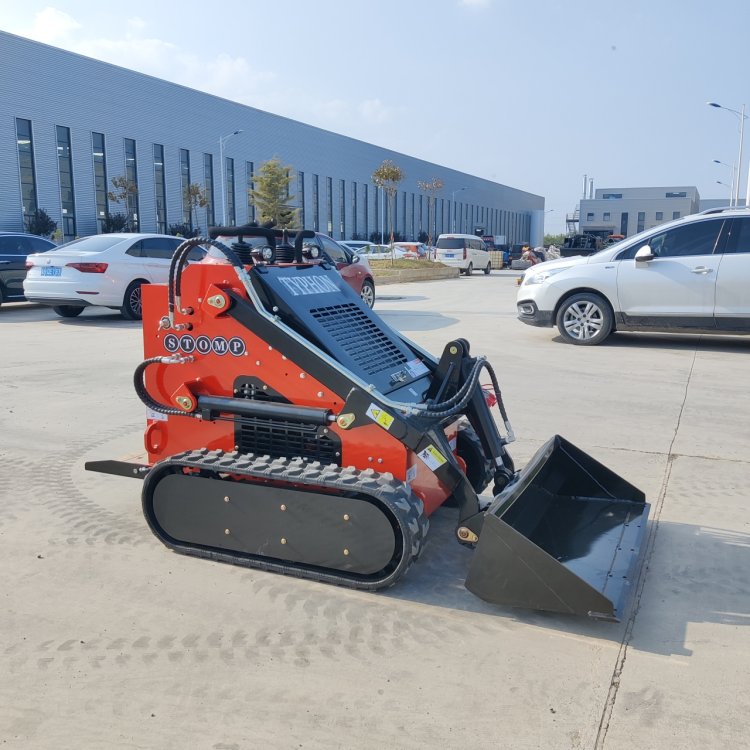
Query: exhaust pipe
[{"x": 565, "y": 536}]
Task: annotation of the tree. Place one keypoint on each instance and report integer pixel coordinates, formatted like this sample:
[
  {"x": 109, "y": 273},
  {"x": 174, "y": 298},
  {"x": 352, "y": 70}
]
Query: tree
[
  {"x": 387, "y": 177},
  {"x": 41, "y": 224},
  {"x": 196, "y": 197},
  {"x": 122, "y": 190},
  {"x": 271, "y": 197},
  {"x": 432, "y": 188},
  {"x": 553, "y": 239},
  {"x": 114, "y": 223}
]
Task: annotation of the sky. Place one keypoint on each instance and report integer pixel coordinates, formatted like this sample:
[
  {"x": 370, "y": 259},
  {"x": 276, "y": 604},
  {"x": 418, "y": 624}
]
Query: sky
[{"x": 533, "y": 94}]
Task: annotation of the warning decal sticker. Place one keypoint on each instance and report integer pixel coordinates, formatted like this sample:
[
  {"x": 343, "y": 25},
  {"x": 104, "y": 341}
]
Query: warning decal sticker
[
  {"x": 382, "y": 417},
  {"x": 432, "y": 457}
]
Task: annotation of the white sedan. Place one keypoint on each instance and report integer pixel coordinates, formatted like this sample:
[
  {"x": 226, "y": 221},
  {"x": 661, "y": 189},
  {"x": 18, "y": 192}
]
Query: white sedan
[{"x": 104, "y": 270}]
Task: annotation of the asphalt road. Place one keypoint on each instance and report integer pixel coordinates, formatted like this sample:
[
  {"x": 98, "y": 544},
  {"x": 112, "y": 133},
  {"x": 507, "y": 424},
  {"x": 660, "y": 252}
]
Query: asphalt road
[{"x": 111, "y": 641}]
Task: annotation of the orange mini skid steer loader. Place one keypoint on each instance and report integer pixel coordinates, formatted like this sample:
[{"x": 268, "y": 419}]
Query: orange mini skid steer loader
[{"x": 290, "y": 429}]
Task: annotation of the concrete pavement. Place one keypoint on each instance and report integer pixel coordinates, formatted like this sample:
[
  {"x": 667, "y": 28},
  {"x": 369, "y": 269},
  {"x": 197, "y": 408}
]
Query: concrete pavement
[{"x": 111, "y": 641}]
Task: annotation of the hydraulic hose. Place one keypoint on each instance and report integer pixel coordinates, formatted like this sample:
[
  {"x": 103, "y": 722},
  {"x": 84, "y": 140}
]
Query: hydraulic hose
[{"x": 145, "y": 396}]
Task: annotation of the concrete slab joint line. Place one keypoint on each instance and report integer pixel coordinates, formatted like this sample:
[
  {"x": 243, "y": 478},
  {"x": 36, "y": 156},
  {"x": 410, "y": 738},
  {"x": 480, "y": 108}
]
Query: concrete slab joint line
[{"x": 622, "y": 654}]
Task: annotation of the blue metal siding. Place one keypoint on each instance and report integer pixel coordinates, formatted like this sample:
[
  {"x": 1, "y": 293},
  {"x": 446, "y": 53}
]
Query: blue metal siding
[{"x": 124, "y": 104}]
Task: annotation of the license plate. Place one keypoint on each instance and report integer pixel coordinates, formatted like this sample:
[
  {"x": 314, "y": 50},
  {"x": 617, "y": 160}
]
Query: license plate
[
  {"x": 51, "y": 271},
  {"x": 448, "y": 255}
]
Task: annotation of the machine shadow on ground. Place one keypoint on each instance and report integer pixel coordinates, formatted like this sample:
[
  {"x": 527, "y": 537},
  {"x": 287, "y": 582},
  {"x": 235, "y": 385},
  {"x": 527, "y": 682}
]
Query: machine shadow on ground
[
  {"x": 413, "y": 320},
  {"x": 673, "y": 341},
  {"x": 684, "y": 594}
]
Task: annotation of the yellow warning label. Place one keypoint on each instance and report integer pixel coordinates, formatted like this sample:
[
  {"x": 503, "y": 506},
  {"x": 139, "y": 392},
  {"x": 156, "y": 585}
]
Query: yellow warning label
[
  {"x": 432, "y": 457},
  {"x": 382, "y": 417}
]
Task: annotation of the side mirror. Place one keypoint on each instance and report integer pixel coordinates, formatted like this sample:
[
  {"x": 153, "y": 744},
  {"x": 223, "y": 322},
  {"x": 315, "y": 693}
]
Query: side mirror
[
  {"x": 355, "y": 258},
  {"x": 644, "y": 254}
]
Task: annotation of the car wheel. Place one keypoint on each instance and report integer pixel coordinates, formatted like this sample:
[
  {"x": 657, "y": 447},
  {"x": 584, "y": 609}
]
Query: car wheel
[
  {"x": 131, "y": 303},
  {"x": 368, "y": 293},
  {"x": 68, "y": 311},
  {"x": 488, "y": 270},
  {"x": 585, "y": 319},
  {"x": 469, "y": 269}
]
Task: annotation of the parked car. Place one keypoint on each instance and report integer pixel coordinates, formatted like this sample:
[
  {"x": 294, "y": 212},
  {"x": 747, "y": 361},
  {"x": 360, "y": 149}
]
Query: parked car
[
  {"x": 14, "y": 249},
  {"x": 105, "y": 270},
  {"x": 463, "y": 251},
  {"x": 357, "y": 246},
  {"x": 354, "y": 269},
  {"x": 691, "y": 275}
]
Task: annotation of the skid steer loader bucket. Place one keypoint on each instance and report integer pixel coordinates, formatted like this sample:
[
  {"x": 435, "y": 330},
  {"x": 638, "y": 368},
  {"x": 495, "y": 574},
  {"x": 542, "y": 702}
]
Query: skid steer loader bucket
[{"x": 564, "y": 537}]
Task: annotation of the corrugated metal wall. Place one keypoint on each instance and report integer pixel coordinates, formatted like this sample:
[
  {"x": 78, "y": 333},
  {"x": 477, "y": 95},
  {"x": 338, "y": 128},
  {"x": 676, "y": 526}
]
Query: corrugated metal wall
[{"x": 52, "y": 87}]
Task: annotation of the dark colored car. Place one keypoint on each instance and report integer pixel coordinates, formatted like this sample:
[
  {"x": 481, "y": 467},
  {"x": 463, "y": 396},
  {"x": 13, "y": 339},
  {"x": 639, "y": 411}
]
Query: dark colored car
[
  {"x": 353, "y": 269},
  {"x": 14, "y": 247}
]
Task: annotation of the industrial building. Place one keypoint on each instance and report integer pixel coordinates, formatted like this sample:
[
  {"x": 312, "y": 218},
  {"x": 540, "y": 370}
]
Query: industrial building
[
  {"x": 628, "y": 211},
  {"x": 70, "y": 124}
]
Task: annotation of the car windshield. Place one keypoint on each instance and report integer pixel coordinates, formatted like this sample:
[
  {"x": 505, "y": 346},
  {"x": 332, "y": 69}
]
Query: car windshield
[
  {"x": 450, "y": 243},
  {"x": 96, "y": 244}
]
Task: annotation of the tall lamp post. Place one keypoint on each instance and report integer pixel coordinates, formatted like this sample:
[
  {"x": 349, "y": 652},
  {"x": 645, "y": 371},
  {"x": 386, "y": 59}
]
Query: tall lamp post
[
  {"x": 222, "y": 141},
  {"x": 741, "y": 114},
  {"x": 731, "y": 190},
  {"x": 453, "y": 206}
]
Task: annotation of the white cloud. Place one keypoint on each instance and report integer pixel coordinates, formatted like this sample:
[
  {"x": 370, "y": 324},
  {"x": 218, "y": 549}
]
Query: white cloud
[
  {"x": 375, "y": 111},
  {"x": 136, "y": 23},
  {"x": 51, "y": 25}
]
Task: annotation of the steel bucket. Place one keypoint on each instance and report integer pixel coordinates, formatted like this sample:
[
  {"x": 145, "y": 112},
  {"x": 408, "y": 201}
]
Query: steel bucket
[{"x": 566, "y": 536}]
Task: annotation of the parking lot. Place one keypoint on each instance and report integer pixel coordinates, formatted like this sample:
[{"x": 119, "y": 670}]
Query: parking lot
[{"x": 112, "y": 641}]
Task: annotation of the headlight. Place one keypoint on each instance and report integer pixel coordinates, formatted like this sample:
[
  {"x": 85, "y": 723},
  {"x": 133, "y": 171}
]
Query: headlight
[
  {"x": 266, "y": 253},
  {"x": 541, "y": 276}
]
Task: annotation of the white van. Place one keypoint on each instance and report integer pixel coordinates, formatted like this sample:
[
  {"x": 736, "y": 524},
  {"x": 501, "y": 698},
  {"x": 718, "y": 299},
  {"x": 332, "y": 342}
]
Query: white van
[{"x": 464, "y": 251}]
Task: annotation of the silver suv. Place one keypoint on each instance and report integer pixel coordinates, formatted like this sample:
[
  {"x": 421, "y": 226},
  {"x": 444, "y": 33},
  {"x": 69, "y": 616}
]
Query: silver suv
[{"x": 691, "y": 275}]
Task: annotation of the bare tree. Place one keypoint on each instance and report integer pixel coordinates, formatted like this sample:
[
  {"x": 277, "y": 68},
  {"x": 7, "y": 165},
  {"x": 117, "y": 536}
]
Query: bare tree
[
  {"x": 196, "y": 197},
  {"x": 387, "y": 177},
  {"x": 432, "y": 188},
  {"x": 122, "y": 189}
]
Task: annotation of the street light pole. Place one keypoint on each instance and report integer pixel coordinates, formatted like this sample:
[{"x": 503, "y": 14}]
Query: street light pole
[
  {"x": 731, "y": 189},
  {"x": 731, "y": 192},
  {"x": 453, "y": 206},
  {"x": 222, "y": 141},
  {"x": 742, "y": 116}
]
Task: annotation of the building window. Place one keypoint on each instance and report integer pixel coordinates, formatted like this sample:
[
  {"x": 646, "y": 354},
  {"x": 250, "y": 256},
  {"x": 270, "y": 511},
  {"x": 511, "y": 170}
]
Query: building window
[
  {"x": 624, "y": 224},
  {"x": 301, "y": 199},
  {"x": 187, "y": 215},
  {"x": 315, "y": 204},
  {"x": 676, "y": 195},
  {"x": 607, "y": 216},
  {"x": 250, "y": 185},
  {"x": 641, "y": 221},
  {"x": 660, "y": 216},
  {"x": 65, "y": 171},
  {"x": 229, "y": 187},
  {"x": 376, "y": 211},
  {"x": 100, "y": 179},
  {"x": 342, "y": 210},
  {"x": 208, "y": 178},
  {"x": 329, "y": 206},
  {"x": 365, "y": 191},
  {"x": 411, "y": 216},
  {"x": 612, "y": 196},
  {"x": 25, "y": 144},
  {"x": 131, "y": 176},
  {"x": 160, "y": 189},
  {"x": 675, "y": 214},
  {"x": 354, "y": 209},
  {"x": 590, "y": 216}
]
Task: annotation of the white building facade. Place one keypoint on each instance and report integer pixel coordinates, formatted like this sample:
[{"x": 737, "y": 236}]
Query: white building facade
[{"x": 70, "y": 124}]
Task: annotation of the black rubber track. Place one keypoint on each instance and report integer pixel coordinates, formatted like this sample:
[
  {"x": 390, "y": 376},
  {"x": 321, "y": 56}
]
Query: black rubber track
[{"x": 404, "y": 510}]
